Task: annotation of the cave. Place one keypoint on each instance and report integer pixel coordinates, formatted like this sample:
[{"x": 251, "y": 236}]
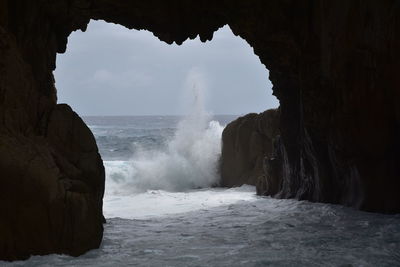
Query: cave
[{"x": 333, "y": 67}]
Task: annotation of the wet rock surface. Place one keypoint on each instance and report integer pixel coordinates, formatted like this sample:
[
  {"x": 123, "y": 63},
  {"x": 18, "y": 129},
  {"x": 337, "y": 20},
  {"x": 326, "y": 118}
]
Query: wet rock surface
[
  {"x": 246, "y": 143},
  {"x": 51, "y": 189},
  {"x": 333, "y": 65}
]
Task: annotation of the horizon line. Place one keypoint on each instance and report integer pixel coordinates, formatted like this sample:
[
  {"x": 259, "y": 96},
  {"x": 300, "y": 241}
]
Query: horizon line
[{"x": 152, "y": 115}]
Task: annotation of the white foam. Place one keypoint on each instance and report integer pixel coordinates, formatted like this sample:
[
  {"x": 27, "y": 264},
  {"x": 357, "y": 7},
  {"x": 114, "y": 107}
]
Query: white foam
[
  {"x": 188, "y": 161},
  {"x": 158, "y": 203}
]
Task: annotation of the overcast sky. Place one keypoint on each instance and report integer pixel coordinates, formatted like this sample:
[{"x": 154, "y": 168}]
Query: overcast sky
[{"x": 110, "y": 70}]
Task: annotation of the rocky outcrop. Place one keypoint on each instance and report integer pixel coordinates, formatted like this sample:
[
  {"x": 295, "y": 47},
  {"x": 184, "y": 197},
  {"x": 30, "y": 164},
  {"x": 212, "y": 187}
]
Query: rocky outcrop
[
  {"x": 333, "y": 65},
  {"x": 51, "y": 189},
  {"x": 246, "y": 142}
]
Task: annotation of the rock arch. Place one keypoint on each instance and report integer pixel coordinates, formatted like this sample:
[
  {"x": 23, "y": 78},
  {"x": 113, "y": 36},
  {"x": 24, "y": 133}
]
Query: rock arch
[{"x": 333, "y": 65}]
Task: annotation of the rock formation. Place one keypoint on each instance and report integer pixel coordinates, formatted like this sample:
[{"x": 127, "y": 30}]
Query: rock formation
[
  {"x": 333, "y": 65},
  {"x": 51, "y": 189},
  {"x": 246, "y": 142}
]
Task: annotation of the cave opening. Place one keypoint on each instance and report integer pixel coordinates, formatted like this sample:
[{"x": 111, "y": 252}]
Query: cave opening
[
  {"x": 112, "y": 70},
  {"x": 157, "y": 111},
  {"x": 333, "y": 65}
]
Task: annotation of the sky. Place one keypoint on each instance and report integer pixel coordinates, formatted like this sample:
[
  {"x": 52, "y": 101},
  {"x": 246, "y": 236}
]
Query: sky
[{"x": 111, "y": 70}]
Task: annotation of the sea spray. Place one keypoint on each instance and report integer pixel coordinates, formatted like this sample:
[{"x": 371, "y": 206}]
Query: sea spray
[{"x": 187, "y": 161}]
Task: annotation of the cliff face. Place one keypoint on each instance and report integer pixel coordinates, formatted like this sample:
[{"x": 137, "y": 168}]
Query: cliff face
[
  {"x": 246, "y": 142},
  {"x": 333, "y": 65}
]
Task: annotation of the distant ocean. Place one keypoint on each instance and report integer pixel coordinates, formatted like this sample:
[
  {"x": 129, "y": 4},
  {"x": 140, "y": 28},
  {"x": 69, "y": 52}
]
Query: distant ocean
[
  {"x": 159, "y": 152},
  {"x": 162, "y": 210},
  {"x": 117, "y": 136}
]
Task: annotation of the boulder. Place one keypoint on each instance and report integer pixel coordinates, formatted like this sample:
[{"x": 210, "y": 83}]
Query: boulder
[
  {"x": 246, "y": 142},
  {"x": 51, "y": 189}
]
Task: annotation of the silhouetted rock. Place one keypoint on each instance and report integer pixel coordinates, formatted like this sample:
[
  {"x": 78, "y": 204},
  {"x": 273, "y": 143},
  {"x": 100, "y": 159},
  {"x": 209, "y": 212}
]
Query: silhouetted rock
[
  {"x": 246, "y": 141},
  {"x": 334, "y": 66},
  {"x": 51, "y": 189}
]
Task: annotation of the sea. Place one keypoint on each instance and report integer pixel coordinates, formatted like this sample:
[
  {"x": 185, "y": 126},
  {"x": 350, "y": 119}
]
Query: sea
[{"x": 164, "y": 208}]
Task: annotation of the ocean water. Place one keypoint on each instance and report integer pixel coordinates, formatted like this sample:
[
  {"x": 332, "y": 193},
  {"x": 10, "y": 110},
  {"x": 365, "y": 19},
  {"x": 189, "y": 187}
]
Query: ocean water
[{"x": 162, "y": 209}]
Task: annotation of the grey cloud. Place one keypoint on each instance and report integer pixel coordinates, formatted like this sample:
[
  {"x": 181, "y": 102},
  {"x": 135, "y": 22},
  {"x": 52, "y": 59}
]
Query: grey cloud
[{"x": 110, "y": 70}]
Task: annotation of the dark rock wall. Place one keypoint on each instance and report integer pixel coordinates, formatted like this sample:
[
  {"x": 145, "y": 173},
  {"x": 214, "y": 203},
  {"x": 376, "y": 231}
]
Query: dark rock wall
[
  {"x": 333, "y": 65},
  {"x": 51, "y": 174},
  {"x": 246, "y": 143}
]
